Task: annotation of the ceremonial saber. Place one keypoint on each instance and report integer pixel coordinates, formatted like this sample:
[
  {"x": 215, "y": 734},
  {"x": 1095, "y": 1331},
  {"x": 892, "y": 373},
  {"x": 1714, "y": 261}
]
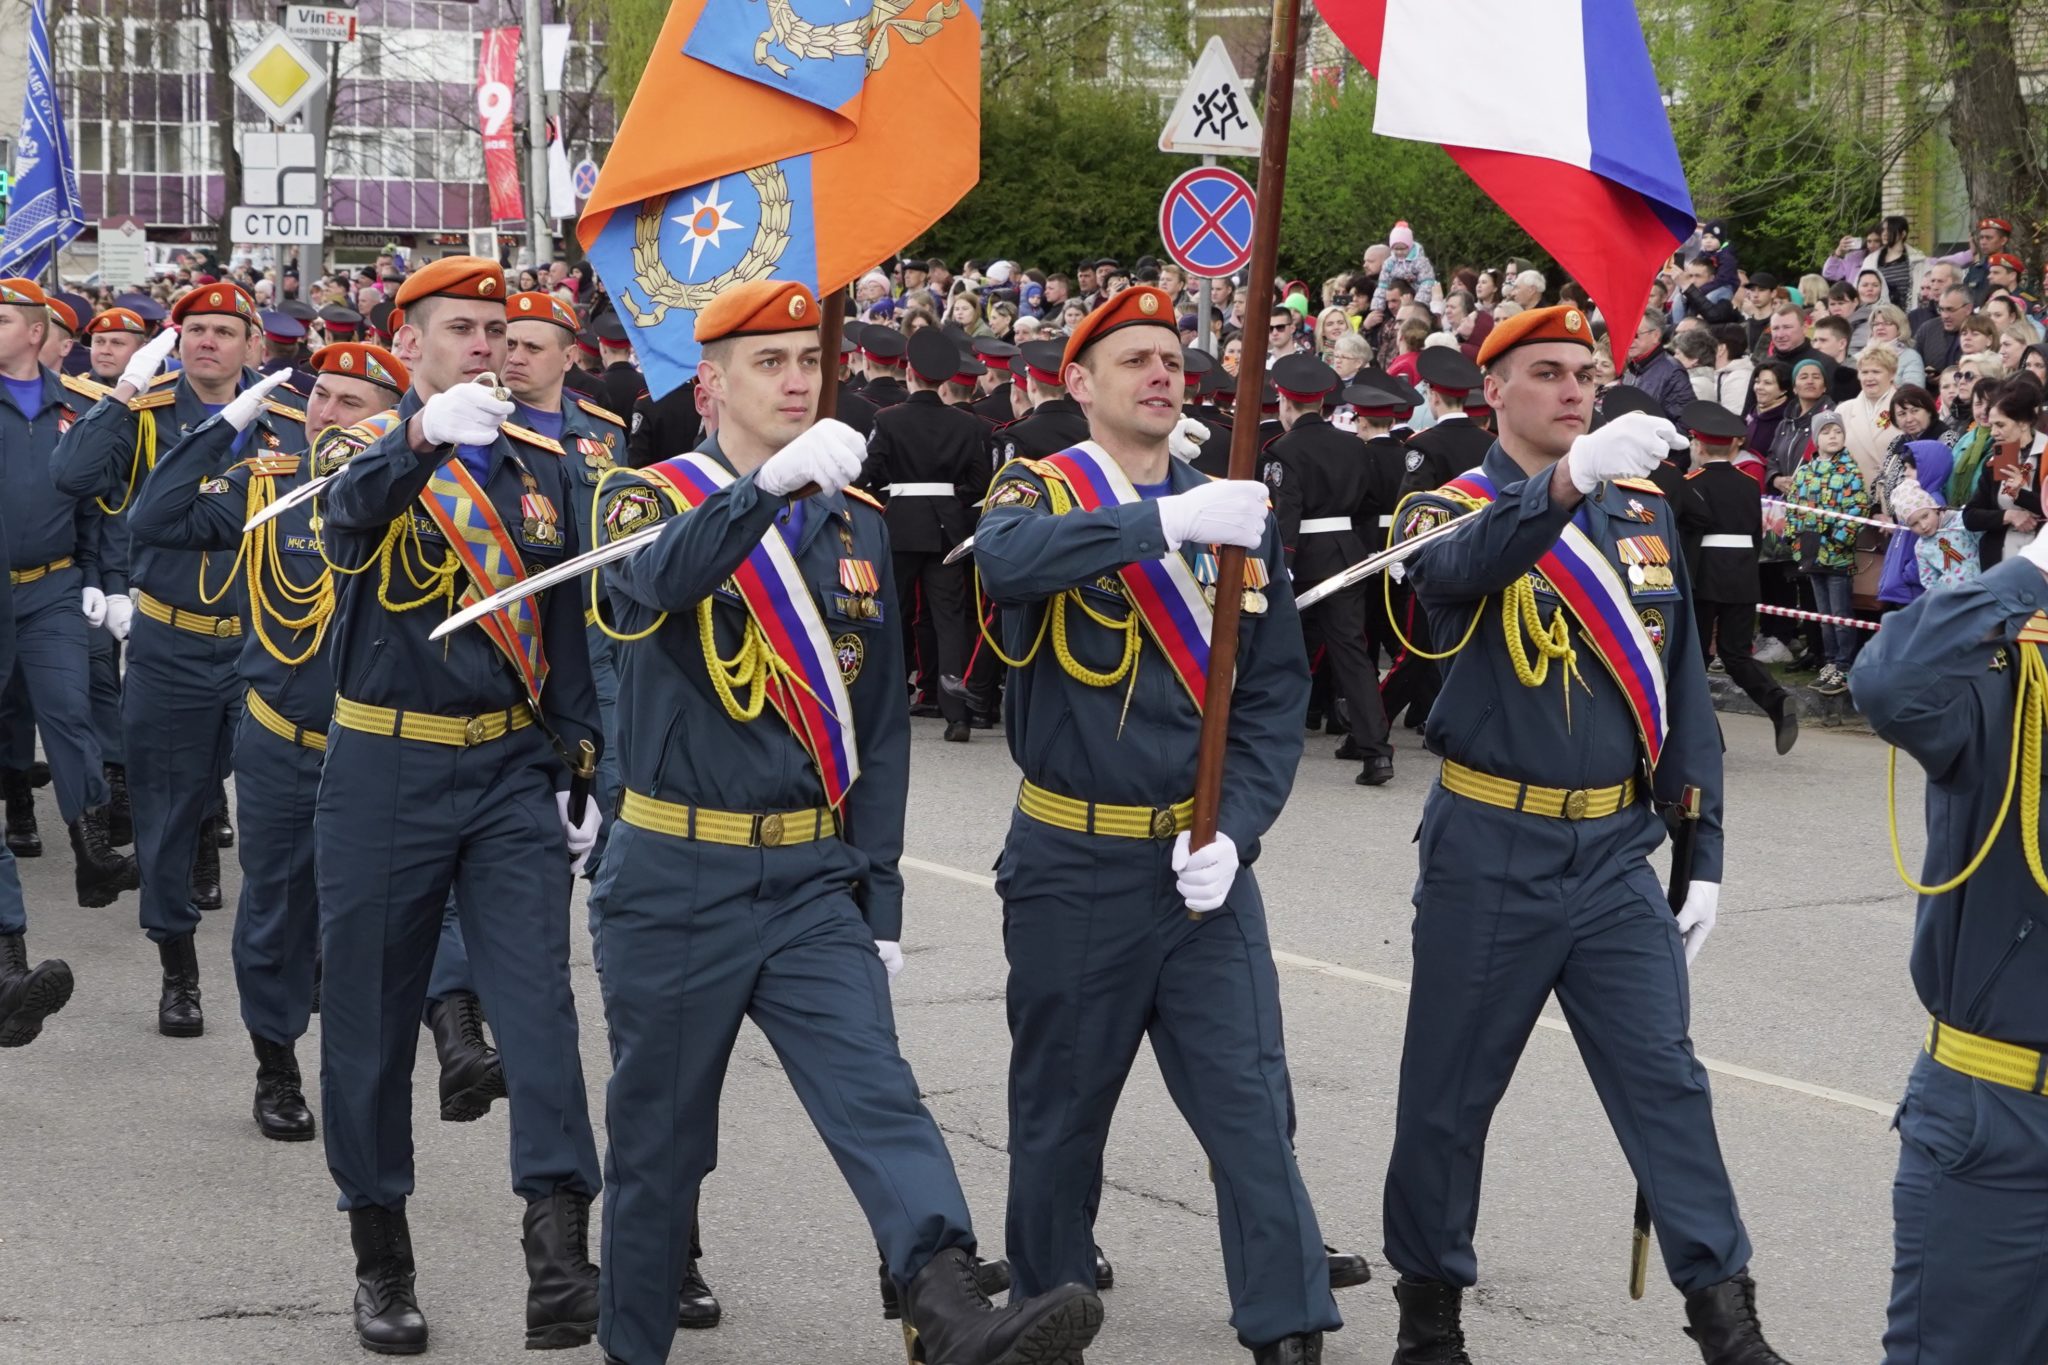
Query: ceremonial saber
[
  {"x": 1244, "y": 436},
  {"x": 1684, "y": 840},
  {"x": 582, "y": 776},
  {"x": 307, "y": 491},
  {"x": 1385, "y": 559},
  {"x": 959, "y": 552}
]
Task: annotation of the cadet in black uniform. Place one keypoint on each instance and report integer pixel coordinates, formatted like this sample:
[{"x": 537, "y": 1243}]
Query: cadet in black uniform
[
  {"x": 1727, "y": 585},
  {"x": 1326, "y": 509},
  {"x": 882, "y": 351},
  {"x": 998, "y": 400},
  {"x": 1055, "y": 421},
  {"x": 1377, "y": 402},
  {"x": 621, "y": 385},
  {"x": 963, "y": 388},
  {"x": 661, "y": 428},
  {"x": 1669, "y": 477},
  {"x": 932, "y": 460},
  {"x": 854, "y": 409}
]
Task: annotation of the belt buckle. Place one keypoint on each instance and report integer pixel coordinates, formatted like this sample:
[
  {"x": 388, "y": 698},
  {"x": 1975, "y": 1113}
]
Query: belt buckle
[
  {"x": 768, "y": 831},
  {"x": 1575, "y": 804},
  {"x": 1162, "y": 824},
  {"x": 474, "y": 731},
  {"x": 223, "y": 626}
]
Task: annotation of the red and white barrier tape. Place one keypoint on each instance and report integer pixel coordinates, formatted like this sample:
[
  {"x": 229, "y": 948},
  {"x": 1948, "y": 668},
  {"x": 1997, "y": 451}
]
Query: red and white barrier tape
[
  {"x": 1828, "y": 512},
  {"x": 1817, "y": 616}
]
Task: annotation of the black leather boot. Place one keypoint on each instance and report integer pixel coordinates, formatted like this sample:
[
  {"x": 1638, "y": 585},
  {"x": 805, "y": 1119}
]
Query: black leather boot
[
  {"x": 1430, "y": 1333},
  {"x": 1105, "y": 1273},
  {"x": 1377, "y": 772},
  {"x": 217, "y": 827},
  {"x": 1724, "y": 1322},
  {"x": 388, "y": 1318},
  {"x": 206, "y": 874},
  {"x": 102, "y": 874},
  {"x": 955, "y": 1322},
  {"x": 28, "y": 995},
  {"x": 697, "y": 1308},
  {"x": 1347, "y": 1270},
  {"x": 24, "y": 840},
  {"x": 177, "y": 1011},
  {"x": 120, "y": 815},
  {"x": 1303, "y": 1348},
  {"x": 992, "y": 1276},
  {"x": 561, "y": 1283},
  {"x": 281, "y": 1112},
  {"x": 472, "y": 1077}
]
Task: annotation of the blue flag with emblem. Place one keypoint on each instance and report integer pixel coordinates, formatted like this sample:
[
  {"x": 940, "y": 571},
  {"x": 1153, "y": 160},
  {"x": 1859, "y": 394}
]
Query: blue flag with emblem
[
  {"x": 45, "y": 212},
  {"x": 822, "y": 136}
]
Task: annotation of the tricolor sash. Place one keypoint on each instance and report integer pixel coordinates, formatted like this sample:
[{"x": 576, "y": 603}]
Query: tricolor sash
[
  {"x": 1598, "y": 599},
  {"x": 815, "y": 704},
  {"x": 1168, "y": 599},
  {"x": 470, "y": 524}
]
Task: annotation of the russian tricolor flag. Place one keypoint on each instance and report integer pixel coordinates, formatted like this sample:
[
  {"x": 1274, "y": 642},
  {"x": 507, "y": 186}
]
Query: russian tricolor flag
[{"x": 1573, "y": 143}]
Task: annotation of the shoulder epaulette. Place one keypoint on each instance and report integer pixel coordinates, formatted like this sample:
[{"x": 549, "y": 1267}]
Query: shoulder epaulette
[
  {"x": 88, "y": 388},
  {"x": 270, "y": 466},
  {"x": 595, "y": 411},
  {"x": 157, "y": 398},
  {"x": 532, "y": 438},
  {"x": 285, "y": 410},
  {"x": 165, "y": 380},
  {"x": 1697, "y": 472},
  {"x": 861, "y": 495},
  {"x": 1638, "y": 486}
]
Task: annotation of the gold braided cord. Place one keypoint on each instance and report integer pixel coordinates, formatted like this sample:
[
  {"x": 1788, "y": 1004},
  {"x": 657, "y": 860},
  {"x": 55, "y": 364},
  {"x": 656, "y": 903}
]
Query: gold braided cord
[
  {"x": 1519, "y": 614},
  {"x": 145, "y": 451},
  {"x": 2023, "y": 772},
  {"x": 1387, "y": 590},
  {"x": 747, "y": 669},
  {"x": 981, "y": 619},
  {"x": 596, "y": 614},
  {"x": 261, "y": 548},
  {"x": 402, "y": 547},
  {"x": 1075, "y": 669}
]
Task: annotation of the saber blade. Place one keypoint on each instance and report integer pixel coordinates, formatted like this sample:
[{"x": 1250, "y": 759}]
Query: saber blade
[
  {"x": 1385, "y": 559},
  {"x": 547, "y": 578}
]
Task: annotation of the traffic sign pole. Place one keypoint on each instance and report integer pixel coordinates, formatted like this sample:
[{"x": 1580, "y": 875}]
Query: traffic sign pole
[{"x": 1203, "y": 307}]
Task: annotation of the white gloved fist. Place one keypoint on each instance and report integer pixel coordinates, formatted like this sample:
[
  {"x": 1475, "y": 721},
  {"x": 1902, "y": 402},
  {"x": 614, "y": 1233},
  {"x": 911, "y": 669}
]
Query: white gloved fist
[
  {"x": 1696, "y": 919},
  {"x": 892, "y": 955},
  {"x": 120, "y": 614},
  {"x": 1185, "y": 441},
  {"x": 1220, "y": 512},
  {"x": 1205, "y": 874},
  {"x": 148, "y": 359},
  {"x": 829, "y": 455},
  {"x": 1629, "y": 447},
  {"x": 93, "y": 603},
  {"x": 244, "y": 407},
  {"x": 581, "y": 837},
  {"x": 466, "y": 415}
]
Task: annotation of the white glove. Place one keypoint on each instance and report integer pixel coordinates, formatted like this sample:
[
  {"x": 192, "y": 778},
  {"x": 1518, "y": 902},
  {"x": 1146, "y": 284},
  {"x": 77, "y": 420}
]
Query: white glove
[
  {"x": 581, "y": 837},
  {"x": 244, "y": 407},
  {"x": 1629, "y": 447},
  {"x": 1696, "y": 919},
  {"x": 1206, "y": 873},
  {"x": 148, "y": 359},
  {"x": 1185, "y": 441},
  {"x": 93, "y": 603},
  {"x": 466, "y": 415},
  {"x": 829, "y": 455},
  {"x": 2036, "y": 553},
  {"x": 120, "y": 614},
  {"x": 892, "y": 955},
  {"x": 1220, "y": 512}
]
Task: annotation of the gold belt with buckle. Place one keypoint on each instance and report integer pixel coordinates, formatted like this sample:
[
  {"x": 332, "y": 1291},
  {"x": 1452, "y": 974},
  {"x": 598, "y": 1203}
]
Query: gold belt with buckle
[
  {"x": 1096, "y": 817},
  {"x": 268, "y": 716},
  {"x": 17, "y": 577},
  {"x": 739, "y": 828},
  {"x": 457, "y": 732},
  {"x": 1593, "y": 803},
  {"x": 198, "y": 623},
  {"x": 1987, "y": 1059}
]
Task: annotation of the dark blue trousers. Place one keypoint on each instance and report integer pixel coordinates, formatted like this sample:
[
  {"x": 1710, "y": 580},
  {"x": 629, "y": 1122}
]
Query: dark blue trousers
[
  {"x": 1969, "y": 1223},
  {"x": 604, "y": 675},
  {"x": 104, "y": 662},
  {"x": 1102, "y": 956},
  {"x": 180, "y": 704},
  {"x": 277, "y": 918},
  {"x": 451, "y": 960},
  {"x": 13, "y": 914},
  {"x": 1510, "y": 907},
  {"x": 399, "y": 825},
  {"x": 692, "y": 939},
  {"x": 51, "y": 651}
]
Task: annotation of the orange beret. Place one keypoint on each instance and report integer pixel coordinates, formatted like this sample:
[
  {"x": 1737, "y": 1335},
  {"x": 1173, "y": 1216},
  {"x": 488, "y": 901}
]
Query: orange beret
[
  {"x": 227, "y": 300},
  {"x": 355, "y": 360},
  {"x": 25, "y": 293},
  {"x": 117, "y": 320},
  {"x": 1139, "y": 306},
  {"x": 534, "y": 306},
  {"x": 1562, "y": 323},
  {"x": 758, "y": 307},
  {"x": 62, "y": 312},
  {"x": 457, "y": 277}
]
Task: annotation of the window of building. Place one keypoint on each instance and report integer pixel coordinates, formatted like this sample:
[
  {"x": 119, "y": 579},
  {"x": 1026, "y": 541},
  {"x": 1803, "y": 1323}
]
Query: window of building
[{"x": 89, "y": 145}]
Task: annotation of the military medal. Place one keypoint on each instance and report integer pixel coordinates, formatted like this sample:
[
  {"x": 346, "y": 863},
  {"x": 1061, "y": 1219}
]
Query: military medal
[
  {"x": 1255, "y": 579},
  {"x": 1207, "y": 571}
]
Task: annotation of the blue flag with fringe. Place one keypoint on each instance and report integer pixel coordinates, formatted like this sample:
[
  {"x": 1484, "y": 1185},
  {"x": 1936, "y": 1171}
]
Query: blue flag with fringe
[{"x": 45, "y": 213}]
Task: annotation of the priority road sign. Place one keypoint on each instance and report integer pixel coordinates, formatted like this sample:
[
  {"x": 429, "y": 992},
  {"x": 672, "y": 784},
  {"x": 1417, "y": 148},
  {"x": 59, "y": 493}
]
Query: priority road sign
[
  {"x": 279, "y": 76},
  {"x": 1206, "y": 221}
]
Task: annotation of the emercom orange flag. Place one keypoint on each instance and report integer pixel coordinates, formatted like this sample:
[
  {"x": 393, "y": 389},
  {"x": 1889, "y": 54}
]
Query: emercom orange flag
[{"x": 785, "y": 139}]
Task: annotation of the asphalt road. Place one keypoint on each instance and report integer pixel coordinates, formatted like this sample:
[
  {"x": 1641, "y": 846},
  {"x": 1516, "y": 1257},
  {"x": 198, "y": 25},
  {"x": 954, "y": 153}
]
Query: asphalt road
[{"x": 143, "y": 1220}]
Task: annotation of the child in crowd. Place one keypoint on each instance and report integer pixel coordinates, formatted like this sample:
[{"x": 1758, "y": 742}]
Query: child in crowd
[
  {"x": 1829, "y": 479},
  {"x": 1945, "y": 552}
]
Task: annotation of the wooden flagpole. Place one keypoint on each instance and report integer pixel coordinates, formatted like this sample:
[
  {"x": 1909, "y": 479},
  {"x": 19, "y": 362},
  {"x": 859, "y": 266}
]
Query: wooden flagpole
[{"x": 1244, "y": 435}]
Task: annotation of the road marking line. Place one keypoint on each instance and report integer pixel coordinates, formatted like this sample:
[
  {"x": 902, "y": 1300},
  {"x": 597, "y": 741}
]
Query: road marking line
[{"x": 1387, "y": 983}]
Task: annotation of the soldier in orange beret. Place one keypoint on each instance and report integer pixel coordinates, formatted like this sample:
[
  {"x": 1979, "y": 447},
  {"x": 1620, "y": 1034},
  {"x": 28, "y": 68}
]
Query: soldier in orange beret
[
  {"x": 1566, "y": 760},
  {"x": 1111, "y": 546}
]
